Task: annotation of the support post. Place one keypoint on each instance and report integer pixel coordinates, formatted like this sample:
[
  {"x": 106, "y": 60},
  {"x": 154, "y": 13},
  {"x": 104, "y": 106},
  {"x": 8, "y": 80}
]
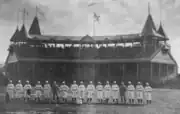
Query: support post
[
  {"x": 159, "y": 72},
  {"x": 33, "y": 72},
  {"x": 137, "y": 73},
  {"x": 151, "y": 71},
  {"x": 167, "y": 71},
  {"x": 94, "y": 72},
  {"x": 18, "y": 70},
  {"x": 123, "y": 68},
  {"x": 79, "y": 74},
  {"x": 108, "y": 71}
]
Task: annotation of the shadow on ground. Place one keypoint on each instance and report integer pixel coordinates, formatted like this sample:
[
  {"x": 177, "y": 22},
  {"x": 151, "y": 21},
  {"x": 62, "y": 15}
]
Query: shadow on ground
[{"x": 165, "y": 101}]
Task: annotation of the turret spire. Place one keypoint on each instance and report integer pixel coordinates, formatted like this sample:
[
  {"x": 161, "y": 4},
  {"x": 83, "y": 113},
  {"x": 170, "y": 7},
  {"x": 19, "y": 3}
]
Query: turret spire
[{"x": 35, "y": 28}]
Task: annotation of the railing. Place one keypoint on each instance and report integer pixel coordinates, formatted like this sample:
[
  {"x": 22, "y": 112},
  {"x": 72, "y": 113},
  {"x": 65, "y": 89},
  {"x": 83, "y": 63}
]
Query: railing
[{"x": 83, "y": 53}]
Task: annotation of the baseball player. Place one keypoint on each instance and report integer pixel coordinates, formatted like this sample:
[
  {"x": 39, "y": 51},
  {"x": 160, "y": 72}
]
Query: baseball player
[
  {"x": 10, "y": 89},
  {"x": 99, "y": 89},
  {"x": 90, "y": 90},
  {"x": 115, "y": 92},
  {"x": 107, "y": 91},
  {"x": 74, "y": 89}
]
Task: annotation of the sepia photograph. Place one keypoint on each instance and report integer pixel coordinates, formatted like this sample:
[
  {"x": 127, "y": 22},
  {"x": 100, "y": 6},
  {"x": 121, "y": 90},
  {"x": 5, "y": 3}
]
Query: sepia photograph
[{"x": 89, "y": 56}]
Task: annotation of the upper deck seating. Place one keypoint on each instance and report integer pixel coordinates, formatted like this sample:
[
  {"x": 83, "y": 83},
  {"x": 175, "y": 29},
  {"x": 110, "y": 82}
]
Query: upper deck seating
[{"x": 83, "y": 52}]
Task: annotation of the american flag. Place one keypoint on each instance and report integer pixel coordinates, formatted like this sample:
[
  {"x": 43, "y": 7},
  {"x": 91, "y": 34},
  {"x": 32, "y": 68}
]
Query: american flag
[{"x": 96, "y": 17}]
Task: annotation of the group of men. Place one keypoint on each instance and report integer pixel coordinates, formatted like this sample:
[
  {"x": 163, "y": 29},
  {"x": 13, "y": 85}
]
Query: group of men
[{"x": 128, "y": 94}]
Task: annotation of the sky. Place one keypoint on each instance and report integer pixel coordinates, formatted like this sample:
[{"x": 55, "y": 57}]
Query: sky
[{"x": 74, "y": 17}]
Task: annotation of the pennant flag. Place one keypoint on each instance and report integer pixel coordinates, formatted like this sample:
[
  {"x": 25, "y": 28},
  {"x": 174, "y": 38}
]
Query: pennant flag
[
  {"x": 39, "y": 11},
  {"x": 166, "y": 4},
  {"x": 91, "y": 4},
  {"x": 96, "y": 17},
  {"x": 24, "y": 14}
]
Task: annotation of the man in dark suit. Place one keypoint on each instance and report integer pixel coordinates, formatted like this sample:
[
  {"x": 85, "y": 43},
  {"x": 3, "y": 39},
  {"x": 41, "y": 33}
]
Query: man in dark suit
[
  {"x": 123, "y": 93},
  {"x": 55, "y": 91}
]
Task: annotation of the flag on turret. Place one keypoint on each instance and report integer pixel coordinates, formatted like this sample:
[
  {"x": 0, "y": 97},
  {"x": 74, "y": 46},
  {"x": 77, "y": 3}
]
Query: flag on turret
[{"x": 96, "y": 17}]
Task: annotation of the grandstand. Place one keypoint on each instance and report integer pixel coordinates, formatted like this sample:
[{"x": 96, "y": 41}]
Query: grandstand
[{"x": 144, "y": 56}]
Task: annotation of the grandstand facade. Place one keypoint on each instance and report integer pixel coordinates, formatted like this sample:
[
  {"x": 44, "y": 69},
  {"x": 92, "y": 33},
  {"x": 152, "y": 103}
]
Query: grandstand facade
[{"x": 144, "y": 56}]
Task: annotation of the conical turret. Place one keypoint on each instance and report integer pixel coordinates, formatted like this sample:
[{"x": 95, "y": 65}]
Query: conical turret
[
  {"x": 35, "y": 28},
  {"x": 14, "y": 36},
  {"x": 22, "y": 35},
  {"x": 162, "y": 32}
]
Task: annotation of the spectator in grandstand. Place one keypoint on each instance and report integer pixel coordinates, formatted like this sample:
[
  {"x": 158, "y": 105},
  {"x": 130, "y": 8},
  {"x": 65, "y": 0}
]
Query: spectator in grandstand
[
  {"x": 38, "y": 91},
  {"x": 55, "y": 90},
  {"x": 19, "y": 90},
  {"x": 130, "y": 93},
  {"x": 99, "y": 91},
  {"x": 139, "y": 93},
  {"x": 107, "y": 91},
  {"x": 10, "y": 90},
  {"x": 82, "y": 90},
  {"x": 90, "y": 92},
  {"x": 148, "y": 93},
  {"x": 123, "y": 93},
  {"x": 115, "y": 92},
  {"x": 64, "y": 89},
  {"x": 74, "y": 90},
  {"x": 27, "y": 90},
  {"x": 47, "y": 91}
]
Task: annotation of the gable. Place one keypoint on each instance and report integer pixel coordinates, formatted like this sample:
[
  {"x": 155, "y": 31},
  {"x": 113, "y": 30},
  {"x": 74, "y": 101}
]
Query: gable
[
  {"x": 163, "y": 58},
  {"x": 12, "y": 58}
]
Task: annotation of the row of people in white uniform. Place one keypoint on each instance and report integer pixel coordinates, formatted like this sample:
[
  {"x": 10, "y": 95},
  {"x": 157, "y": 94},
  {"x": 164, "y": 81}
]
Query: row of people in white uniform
[{"x": 127, "y": 94}]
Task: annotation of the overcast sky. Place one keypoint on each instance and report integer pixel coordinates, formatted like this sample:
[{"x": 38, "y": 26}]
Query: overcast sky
[{"x": 74, "y": 17}]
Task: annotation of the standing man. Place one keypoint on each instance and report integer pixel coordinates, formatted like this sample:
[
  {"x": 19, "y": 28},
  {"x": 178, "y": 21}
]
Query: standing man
[
  {"x": 99, "y": 89},
  {"x": 115, "y": 92},
  {"x": 130, "y": 91},
  {"x": 19, "y": 90},
  {"x": 47, "y": 90},
  {"x": 10, "y": 90},
  {"x": 55, "y": 90},
  {"x": 27, "y": 91},
  {"x": 123, "y": 93},
  {"x": 90, "y": 90},
  {"x": 38, "y": 91},
  {"x": 82, "y": 90},
  {"x": 148, "y": 93},
  {"x": 139, "y": 93},
  {"x": 64, "y": 89},
  {"x": 107, "y": 91},
  {"x": 74, "y": 89}
]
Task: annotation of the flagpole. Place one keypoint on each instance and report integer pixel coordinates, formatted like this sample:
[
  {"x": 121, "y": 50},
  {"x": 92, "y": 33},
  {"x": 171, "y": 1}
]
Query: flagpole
[
  {"x": 36, "y": 11},
  {"x": 18, "y": 18},
  {"x": 94, "y": 28},
  {"x": 24, "y": 14},
  {"x": 160, "y": 11}
]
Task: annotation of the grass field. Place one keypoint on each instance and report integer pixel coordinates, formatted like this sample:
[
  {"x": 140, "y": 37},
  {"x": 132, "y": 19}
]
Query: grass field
[{"x": 165, "y": 101}]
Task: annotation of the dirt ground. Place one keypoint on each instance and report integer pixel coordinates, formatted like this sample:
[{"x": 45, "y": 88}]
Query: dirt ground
[{"x": 165, "y": 101}]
